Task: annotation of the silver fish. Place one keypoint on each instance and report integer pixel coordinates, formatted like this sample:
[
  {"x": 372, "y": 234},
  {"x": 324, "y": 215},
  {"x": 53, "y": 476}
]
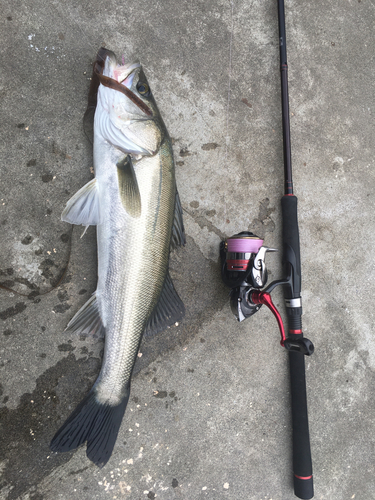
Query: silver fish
[{"x": 134, "y": 203}]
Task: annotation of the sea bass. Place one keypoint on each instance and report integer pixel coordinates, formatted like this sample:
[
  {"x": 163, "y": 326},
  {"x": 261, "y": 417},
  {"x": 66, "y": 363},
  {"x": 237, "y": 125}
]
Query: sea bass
[{"x": 134, "y": 203}]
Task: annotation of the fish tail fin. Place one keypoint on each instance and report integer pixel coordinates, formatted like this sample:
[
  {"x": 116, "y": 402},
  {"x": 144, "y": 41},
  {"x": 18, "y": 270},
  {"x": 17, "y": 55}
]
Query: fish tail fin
[{"x": 94, "y": 422}]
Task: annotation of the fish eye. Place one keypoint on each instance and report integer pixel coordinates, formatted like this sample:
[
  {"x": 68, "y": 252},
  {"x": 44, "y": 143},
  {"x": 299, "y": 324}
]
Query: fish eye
[{"x": 143, "y": 89}]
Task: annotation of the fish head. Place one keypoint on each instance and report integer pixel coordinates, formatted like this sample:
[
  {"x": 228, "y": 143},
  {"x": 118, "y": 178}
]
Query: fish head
[{"x": 128, "y": 108}]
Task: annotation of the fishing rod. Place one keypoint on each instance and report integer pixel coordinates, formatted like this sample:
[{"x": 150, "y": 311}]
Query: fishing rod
[{"x": 244, "y": 271}]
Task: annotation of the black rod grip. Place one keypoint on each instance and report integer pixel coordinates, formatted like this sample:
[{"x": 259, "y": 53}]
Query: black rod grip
[
  {"x": 291, "y": 249},
  {"x": 302, "y": 465}
]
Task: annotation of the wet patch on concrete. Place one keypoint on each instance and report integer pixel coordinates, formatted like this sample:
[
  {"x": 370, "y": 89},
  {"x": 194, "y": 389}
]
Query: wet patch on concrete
[
  {"x": 27, "y": 430},
  {"x": 263, "y": 224}
]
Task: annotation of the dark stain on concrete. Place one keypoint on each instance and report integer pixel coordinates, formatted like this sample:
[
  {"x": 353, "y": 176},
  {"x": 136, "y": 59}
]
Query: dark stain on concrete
[
  {"x": 27, "y": 240},
  {"x": 12, "y": 311},
  {"x": 263, "y": 224},
  {"x": 185, "y": 152},
  {"x": 65, "y": 238},
  {"x": 27, "y": 430},
  {"x": 61, "y": 308},
  {"x": 210, "y": 146},
  {"x": 245, "y": 101},
  {"x": 79, "y": 471},
  {"x": 7, "y": 272},
  {"x": 47, "y": 177},
  {"x": 161, "y": 394},
  {"x": 27, "y": 283},
  {"x": 62, "y": 295},
  {"x": 46, "y": 267},
  {"x": 31, "y": 163},
  {"x": 33, "y": 295},
  {"x": 174, "y": 483},
  {"x": 8, "y": 283},
  {"x": 65, "y": 348}
]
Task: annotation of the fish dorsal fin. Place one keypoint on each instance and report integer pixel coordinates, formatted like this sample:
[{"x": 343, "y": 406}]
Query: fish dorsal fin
[
  {"x": 169, "y": 309},
  {"x": 87, "y": 320},
  {"x": 178, "y": 230},
  {"x": 83, "y": 207},
  {"x": 128, "y": 187}
]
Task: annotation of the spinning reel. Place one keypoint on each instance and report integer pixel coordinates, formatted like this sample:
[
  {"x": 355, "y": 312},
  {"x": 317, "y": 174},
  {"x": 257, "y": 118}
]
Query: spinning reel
[{"x": 244, "y": 270}]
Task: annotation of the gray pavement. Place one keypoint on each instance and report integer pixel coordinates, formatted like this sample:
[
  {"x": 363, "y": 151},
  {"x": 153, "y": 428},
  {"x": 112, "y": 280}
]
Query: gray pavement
[{"x": 209, "y": 415}]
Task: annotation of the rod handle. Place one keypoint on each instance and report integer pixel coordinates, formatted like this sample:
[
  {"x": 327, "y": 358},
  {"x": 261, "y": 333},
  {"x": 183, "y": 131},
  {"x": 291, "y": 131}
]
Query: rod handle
[
  {"x": 291, "y": 248},
  {"x": 302, "y": 464}
]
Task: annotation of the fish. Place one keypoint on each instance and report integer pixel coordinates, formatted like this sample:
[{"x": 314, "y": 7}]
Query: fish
[{"x": 134, "y": 203}]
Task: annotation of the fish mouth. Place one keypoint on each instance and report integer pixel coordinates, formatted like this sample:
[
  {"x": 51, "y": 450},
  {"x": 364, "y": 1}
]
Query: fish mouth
[{"x": 125, "y": 74}]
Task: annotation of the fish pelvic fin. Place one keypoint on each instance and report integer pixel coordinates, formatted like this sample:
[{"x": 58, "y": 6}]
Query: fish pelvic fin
[
  {"x": 94, "y": 422},
  {"x": 83, "y": 207}
]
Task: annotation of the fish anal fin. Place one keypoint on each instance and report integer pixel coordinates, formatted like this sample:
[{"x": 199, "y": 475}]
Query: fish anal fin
[
  {"x": 178, "y": 231},
  {"x": 128, "y": 187},
  {"x": 168, "y": 311},
  {"x": 87, "y": 320},
  {"x": 83, "y": 207}
]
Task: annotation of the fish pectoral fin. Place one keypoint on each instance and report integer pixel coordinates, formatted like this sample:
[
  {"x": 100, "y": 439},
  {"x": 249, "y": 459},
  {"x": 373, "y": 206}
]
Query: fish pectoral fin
[
  {"x": 128, "y": 187},
  {"x": 83, "y": 207},
  {"x": 169, "y": 309},
  {"x": 178, "y": 231},
  {"x": 87, "y": 320}
]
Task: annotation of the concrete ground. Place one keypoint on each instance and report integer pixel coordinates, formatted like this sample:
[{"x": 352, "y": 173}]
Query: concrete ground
[{"x": 209, "y": 416}]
